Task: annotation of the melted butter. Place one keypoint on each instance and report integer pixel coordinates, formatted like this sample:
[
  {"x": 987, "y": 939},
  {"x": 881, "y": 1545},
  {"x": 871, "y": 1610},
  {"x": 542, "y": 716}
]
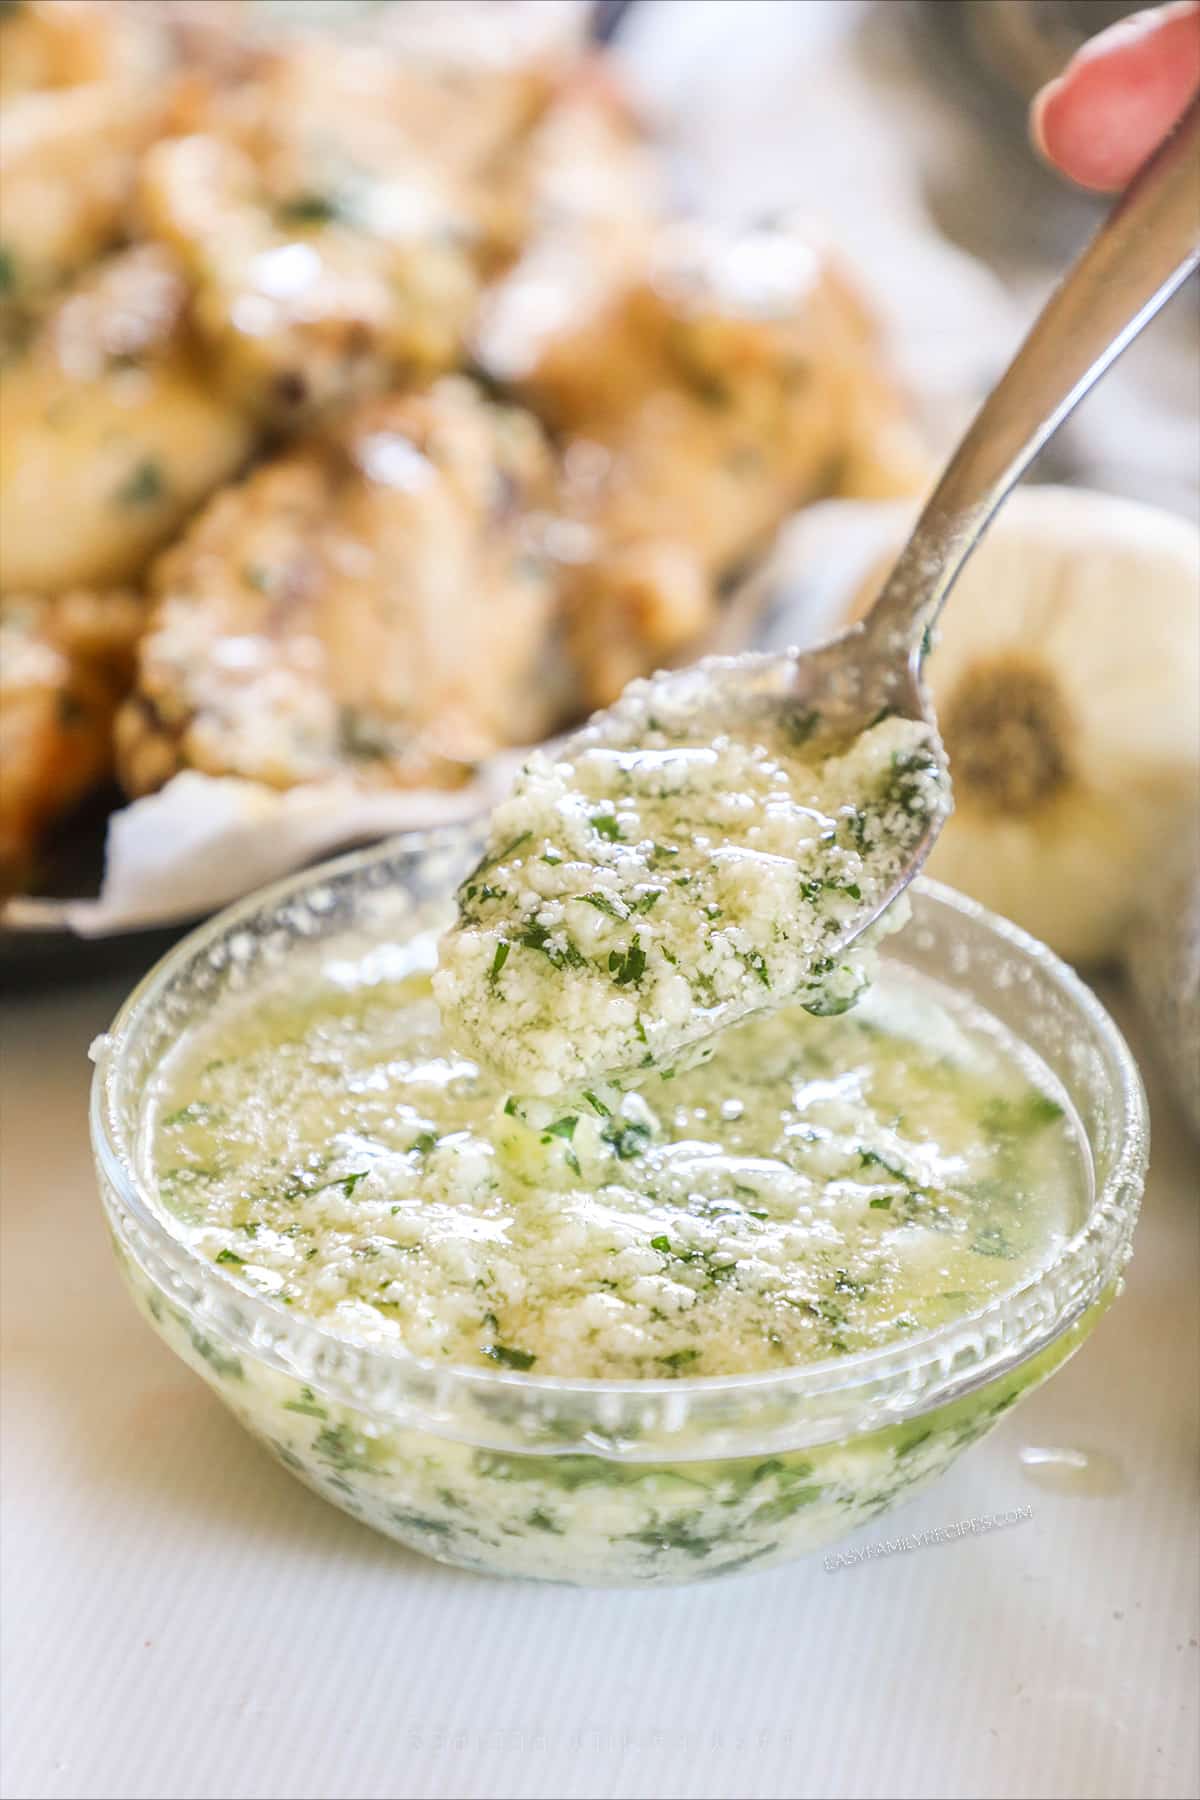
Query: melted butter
[
  {"x": 819, "y": 1187},
  {"x": 1059, "y": 1470}
]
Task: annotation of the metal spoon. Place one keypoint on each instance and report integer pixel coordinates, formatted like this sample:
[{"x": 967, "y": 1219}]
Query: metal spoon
[{"x": 1145, "y": 249}]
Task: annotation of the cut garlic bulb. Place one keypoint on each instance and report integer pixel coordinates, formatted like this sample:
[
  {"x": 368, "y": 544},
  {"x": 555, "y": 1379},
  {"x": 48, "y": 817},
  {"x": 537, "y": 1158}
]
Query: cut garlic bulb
[{"x": 1066, "y": 678}]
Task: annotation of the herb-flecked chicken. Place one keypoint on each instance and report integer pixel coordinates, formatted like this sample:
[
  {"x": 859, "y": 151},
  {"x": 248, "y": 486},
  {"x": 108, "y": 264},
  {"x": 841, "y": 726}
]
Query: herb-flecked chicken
[{"x": 371, "y": 372}]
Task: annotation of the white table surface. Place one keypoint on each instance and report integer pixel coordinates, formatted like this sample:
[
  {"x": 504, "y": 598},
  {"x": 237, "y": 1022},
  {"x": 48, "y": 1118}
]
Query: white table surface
[{"x": 181, "y": 1619}]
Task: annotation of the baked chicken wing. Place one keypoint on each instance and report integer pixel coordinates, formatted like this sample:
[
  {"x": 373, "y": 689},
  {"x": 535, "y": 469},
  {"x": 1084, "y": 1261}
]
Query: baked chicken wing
[
  {"x": 68, "y": 162},
  {"x": 64, "y": 666},
  {"x": 69, "y": 43},
  {"x": 731, "y": 381},
  {"x": 375, "y": 606},
  {"x": 111, "y": 431},
  {"x": 579, "y": 198},
  {"x": 329, "y": 213}
]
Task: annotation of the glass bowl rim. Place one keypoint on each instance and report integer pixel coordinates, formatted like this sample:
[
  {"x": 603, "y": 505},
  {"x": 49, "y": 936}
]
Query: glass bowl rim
[{"x": 948, "y": 1356}]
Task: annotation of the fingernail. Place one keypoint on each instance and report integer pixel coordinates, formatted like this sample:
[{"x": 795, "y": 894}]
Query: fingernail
[
  {"x": 1128, "y": 31},
  {"x": 1037, "y": 111}
]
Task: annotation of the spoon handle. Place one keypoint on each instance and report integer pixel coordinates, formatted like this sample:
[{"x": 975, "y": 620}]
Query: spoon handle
[{"x": 1146, "y": 247}]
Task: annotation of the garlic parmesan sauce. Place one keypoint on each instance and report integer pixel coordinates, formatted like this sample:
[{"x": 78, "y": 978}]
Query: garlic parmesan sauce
[
  {"x": 819, "y": 1186},
  {"x": 651, "y": 883}
]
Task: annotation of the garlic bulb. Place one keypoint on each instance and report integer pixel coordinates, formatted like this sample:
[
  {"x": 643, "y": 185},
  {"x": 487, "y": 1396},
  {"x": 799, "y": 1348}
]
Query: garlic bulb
[{"x": 1066, "y": 677}]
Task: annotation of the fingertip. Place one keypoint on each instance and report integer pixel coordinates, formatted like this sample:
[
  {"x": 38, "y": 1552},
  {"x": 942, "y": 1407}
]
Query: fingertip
[
  {"x": 1119, "y": 96},
  {"x": 1064, "y": 123}
]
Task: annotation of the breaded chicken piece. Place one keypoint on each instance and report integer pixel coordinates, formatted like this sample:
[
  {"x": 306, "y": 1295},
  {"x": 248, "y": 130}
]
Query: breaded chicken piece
[
  {"x": 67, "y": 165},
  {"x": 375, "y": 607},
  {"x": 205, "y": 38},
  {"x": 69, "y": 43},
  {"x": 472, "y": 85},
  {"x": 111, "y": 432},
  {"x": 315, "y": 280},
  {"x": 457, "y": 100},
  {"x": 65, "y": 665},
  {"x": 337, "y": 206},
  {"x": 328, "y": 211},
  {"x": 735, "y": 380},
  {"x": 577, "y": 201}
]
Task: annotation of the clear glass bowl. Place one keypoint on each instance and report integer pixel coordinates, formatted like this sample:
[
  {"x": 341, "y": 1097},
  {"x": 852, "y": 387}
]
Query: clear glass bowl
[{"x": 607, "y": 1482}]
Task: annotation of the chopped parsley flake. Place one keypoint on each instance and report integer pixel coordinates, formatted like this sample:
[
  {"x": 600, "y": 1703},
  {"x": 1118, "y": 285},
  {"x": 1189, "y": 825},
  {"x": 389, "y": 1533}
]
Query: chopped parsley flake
[
  {"x": 563, "y": 954},
  {"x": 510, "y": 1358},
  {"x": 500, "y": 856},
  {"x": 561, "y": 1128},
  {"x": 754, "y": 960},
  {"x": 607, "y": 903},
  {"x": 627, "y": 1138},
  {"x": 311, "y": 209},
  {"x": 629, "y": 967},
  {"x": 144, "y": 487}
]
